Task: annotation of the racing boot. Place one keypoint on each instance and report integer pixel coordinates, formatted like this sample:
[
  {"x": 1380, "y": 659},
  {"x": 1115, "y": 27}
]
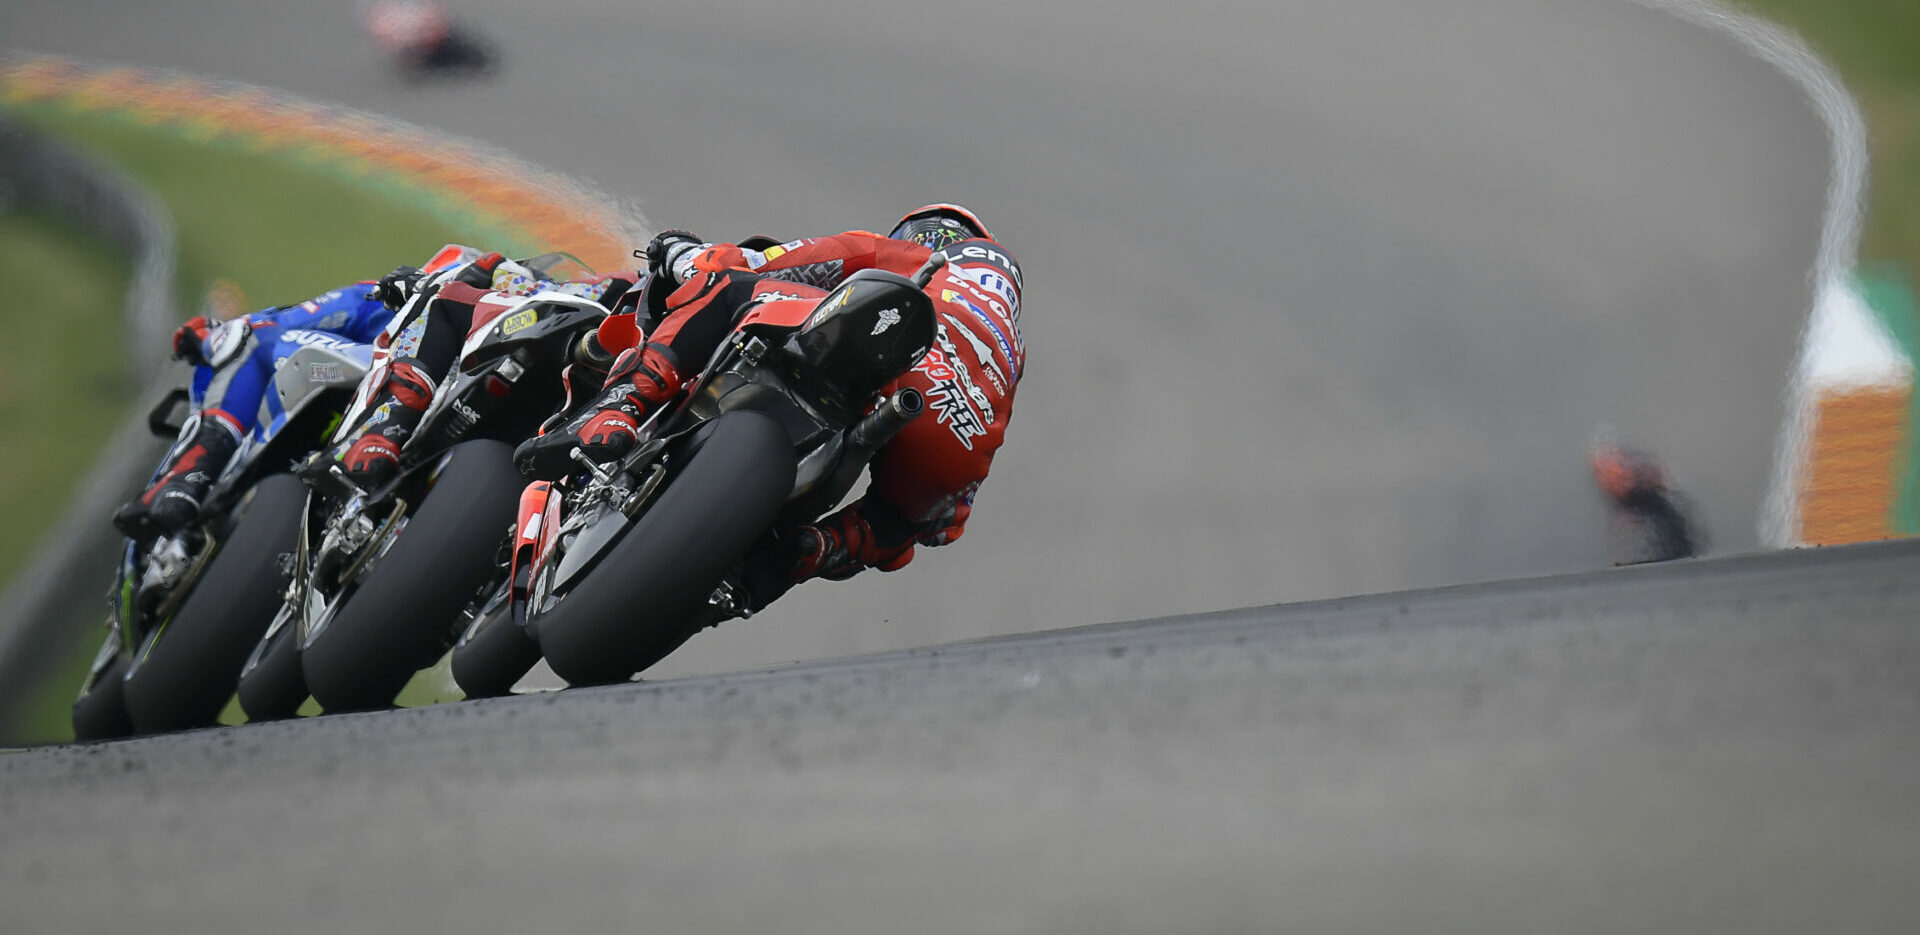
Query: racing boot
[
  {"x": 370, "y": 455},
  {"x": 848, "y": 542},
  {"x": 641, "y": 379},
  {"x": 173, "y": 501}
]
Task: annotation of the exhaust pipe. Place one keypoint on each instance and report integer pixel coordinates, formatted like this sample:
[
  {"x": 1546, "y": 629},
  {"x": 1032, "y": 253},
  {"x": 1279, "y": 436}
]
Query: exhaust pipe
[
  {"x": 878, "y": 427},
  {"x": 860, "y": 442}
]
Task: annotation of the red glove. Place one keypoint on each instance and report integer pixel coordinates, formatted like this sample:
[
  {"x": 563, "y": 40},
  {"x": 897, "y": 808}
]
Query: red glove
[{"x": 189, "y": 340}]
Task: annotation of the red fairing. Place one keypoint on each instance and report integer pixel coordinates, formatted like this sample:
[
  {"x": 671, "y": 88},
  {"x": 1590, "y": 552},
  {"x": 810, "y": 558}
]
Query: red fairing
[
  {"x": 529, "y": 534},
  {"x": 782, "y": 314},
  {"x": 619, "y": 332},
  {"x": 451, "y": 255},
  {"x": 488, "y": 309},
  {"x": 783, "y": 304},
  {"x": 549, "y": 534},
  {"x": 533, "y": 504}
]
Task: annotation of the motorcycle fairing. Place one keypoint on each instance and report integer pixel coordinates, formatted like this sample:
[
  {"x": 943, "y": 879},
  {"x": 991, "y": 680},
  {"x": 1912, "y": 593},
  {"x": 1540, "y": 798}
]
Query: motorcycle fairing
[
  {"x": 523, "y": 323},
  {"x": 867, "y": 331},
  {"x": 535, "y": 335},
  {"x": 539, "y": 513},
  {"x": 304, "y": 372},
  {"x": 783, "y": 313}
]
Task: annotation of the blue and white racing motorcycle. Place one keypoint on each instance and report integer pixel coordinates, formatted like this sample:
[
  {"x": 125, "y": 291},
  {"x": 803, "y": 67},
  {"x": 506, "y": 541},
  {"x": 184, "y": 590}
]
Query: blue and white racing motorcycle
[{"x": 187, "y": 608}]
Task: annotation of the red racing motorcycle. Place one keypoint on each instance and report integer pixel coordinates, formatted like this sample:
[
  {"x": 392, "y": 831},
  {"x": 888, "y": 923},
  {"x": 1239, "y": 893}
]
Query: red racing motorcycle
[{"x": 616, "y": 566}]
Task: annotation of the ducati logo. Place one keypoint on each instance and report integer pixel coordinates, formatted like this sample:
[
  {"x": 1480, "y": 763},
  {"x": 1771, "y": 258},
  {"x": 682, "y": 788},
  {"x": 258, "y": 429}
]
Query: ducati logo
[{"x": 888, "y": 318}]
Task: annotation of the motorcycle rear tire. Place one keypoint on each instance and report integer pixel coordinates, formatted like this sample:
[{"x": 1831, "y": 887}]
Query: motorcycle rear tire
[
  {"x": 184, "y": 677},
  {"x": 398, "y": 620},
  {"x": 100, "y": 713},
  {"x": 492, "y": 657},
  {"x": 271, "y": 686},
  {"x": 644, "y": 598}
]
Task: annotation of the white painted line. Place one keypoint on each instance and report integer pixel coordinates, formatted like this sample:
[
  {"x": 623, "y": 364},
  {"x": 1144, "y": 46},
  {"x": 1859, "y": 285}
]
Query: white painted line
[
  {"x": 1831, "y": 277},
  {"x": 1848, "y": 348}
]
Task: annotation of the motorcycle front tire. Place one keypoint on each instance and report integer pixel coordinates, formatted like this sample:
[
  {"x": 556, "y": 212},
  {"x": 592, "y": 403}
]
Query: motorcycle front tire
[
  {"x": 100, "y": 713},
  {"x": 271, "y": 686},
  {"x": 494, "y": 655}
]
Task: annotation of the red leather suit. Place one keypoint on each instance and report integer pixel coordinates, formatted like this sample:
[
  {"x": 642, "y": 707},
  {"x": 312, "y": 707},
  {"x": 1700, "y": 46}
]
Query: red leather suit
[{"x": 928, "y": 475}]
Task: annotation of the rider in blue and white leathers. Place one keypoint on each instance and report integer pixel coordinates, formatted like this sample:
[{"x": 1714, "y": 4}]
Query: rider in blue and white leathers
[{"x": 233, "y": 367}]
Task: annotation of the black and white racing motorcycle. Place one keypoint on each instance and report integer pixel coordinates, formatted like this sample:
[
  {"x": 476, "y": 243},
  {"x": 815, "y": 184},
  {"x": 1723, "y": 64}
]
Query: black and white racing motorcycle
[{"x": 377, "y": 580}]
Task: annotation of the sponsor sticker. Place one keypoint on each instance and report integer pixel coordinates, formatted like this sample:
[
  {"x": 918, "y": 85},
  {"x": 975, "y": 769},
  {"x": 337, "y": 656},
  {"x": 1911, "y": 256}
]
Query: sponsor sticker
[
  {"x": 993, "y": 328},
  {"x": 820, "y": 314},
  {"x": 306, "y": 338},
  {"x": 956, "y": 402},
  {"x": 983, "y": 353},
  {"x": 518, "y": 321},
  {"x": 977, "y": 251}
]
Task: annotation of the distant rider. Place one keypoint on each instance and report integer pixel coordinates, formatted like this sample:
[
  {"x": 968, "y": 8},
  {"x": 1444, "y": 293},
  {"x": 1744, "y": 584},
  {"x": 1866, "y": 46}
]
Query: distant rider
[
  {"x": 1653, "y": 522},
  {"x": 925, "y": 479}
]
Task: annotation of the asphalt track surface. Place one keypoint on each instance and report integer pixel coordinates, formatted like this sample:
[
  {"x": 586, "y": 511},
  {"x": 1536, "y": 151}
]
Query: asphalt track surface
[
  {"x": 1711, "y": 746},
  {"x": 1326, "y": 297}
]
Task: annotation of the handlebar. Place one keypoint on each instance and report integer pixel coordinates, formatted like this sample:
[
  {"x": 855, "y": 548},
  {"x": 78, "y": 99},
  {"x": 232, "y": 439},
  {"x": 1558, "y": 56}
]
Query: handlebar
[{"x": 925, "y": 273}]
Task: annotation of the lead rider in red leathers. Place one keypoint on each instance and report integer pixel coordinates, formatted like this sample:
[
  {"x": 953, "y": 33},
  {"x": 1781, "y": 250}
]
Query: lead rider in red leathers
[{"x": 924, "y": 480}]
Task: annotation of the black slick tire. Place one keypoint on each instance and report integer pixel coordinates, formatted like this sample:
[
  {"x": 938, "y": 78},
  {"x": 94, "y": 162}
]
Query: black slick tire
[
  {"x": 398, "y": 620},
  {"x": 494, "y": 655},
  {"x": 271, "y": 686},
  {"x": 184, "y": 677},
  {"x": 100, "y": 713},
  {"x": 643, "y": 599}
]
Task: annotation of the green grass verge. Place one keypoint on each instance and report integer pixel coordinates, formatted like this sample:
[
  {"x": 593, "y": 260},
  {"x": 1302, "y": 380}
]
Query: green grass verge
[
  {"x": 63, "y": 389},
  {"x": 282, "y": 228},
  {"x": 1875, "y": 46},
  {"x": 63, "y": 380}
]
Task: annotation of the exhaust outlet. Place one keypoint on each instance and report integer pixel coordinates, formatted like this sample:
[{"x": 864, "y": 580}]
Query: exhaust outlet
[{"x": 878, "y": 427}]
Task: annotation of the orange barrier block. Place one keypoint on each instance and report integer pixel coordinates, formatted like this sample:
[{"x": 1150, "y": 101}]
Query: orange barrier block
[{"x": 1853, "y": 471}]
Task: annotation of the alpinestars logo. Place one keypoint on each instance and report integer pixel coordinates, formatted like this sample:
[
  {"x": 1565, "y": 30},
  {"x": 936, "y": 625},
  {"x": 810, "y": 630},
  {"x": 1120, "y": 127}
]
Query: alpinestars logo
[{"x": 888, "y": 318}]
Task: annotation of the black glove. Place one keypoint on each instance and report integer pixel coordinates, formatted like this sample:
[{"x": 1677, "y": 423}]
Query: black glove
[
  {"x": 395, "y": 288},
  {"x": 665, "y": 250}
]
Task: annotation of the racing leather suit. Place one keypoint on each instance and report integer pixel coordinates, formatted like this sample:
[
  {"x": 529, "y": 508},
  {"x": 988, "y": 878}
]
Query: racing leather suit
[
  {"x": 422, "y": 349},
  {"x": 227, "y": 390},
  {"x": 925, "y": 479}
]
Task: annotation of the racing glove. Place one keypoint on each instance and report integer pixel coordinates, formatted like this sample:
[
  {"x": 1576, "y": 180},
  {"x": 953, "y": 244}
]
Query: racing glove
[
  {"x": 190, "y": 339},
  {"x": 396, "y": 287},
  {"x": 670, "y": 252}
]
